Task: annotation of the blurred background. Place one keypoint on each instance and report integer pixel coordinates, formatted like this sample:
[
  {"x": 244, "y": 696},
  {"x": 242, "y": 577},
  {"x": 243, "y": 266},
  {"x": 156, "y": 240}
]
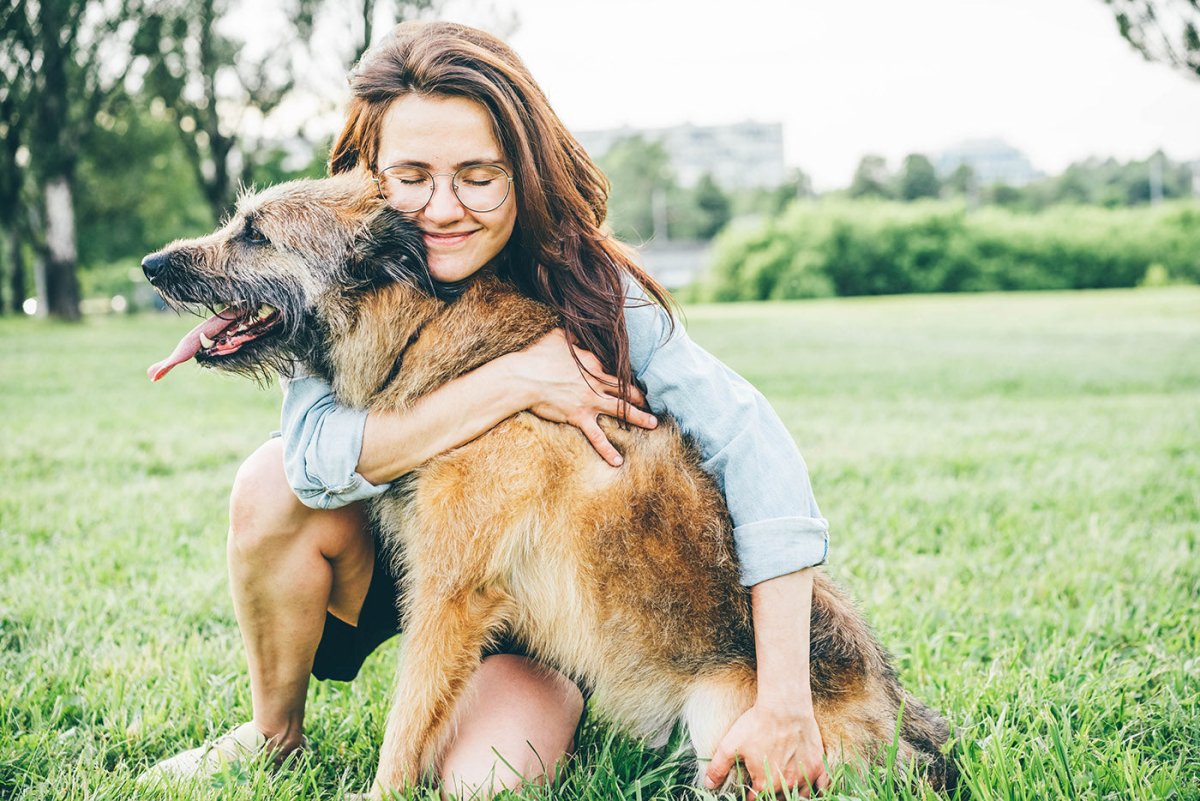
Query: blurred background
[{"x": 757, "y": 150}]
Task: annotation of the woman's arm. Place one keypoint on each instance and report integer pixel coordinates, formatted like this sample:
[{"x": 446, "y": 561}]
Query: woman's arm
[
  {"x": 335, "y": 455},
  {"x": 778, "y": 532},
  {"x": 778, "y": 528},
  {"x": 542, "y": 378},
  {"x": 777, "y": 739}
]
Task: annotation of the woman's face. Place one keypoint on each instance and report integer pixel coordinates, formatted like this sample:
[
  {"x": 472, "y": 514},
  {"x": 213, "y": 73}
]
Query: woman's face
[{"x": 443, "y": 133}]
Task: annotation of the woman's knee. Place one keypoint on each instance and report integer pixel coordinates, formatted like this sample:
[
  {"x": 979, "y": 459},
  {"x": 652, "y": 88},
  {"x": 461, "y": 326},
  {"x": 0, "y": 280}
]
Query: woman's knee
[
  {"x": 264, "y": 513},
  {"x": 517, "y": 723}
]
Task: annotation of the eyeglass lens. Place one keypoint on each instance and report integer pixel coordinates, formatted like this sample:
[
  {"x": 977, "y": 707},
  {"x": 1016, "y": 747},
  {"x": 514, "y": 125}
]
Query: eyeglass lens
[{"x": 480, "y": 187}]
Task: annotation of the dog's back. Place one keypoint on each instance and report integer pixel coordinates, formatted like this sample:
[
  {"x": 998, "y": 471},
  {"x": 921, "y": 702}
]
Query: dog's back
[{"x": 624, "y": 579}]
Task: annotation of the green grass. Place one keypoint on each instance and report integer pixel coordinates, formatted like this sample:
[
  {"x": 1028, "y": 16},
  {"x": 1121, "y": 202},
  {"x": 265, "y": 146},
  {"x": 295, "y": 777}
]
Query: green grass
[{"x": 1013, "y": 483}]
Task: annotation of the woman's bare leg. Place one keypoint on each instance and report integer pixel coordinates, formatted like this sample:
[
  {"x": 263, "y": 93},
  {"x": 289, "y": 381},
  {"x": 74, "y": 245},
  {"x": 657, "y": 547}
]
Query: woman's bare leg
[
  {"x": 288, "y": 564},
  {"x": 514, "y": 711}
]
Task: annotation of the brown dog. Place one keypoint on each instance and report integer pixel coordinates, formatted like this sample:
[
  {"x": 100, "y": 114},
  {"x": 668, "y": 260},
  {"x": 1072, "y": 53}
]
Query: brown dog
[{"x": 623, "y": 579}]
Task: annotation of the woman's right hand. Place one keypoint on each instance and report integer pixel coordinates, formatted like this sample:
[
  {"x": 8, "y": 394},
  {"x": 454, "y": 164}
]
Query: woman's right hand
[{"x": 561, "y": 392}]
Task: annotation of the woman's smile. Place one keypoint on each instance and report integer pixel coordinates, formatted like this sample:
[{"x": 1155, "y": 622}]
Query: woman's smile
[{"x": 446, "y": 240}]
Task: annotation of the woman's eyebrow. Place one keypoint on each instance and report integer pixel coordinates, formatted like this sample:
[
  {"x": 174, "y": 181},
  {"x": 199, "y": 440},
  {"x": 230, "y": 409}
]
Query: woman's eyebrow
[{"x": 468, "y": 163}]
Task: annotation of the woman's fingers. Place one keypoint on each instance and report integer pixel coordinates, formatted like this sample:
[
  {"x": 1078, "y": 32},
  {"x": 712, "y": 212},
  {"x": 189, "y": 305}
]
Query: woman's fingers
[
  {"x": 604, "y": 384},
  {"x": 591, "y": 430},
  {"x": 617, "y": 407}
]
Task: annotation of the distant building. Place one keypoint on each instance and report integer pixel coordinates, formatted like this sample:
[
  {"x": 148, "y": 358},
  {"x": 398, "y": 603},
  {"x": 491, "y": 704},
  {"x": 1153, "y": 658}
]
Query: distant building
[
  {"x": 675, "y": 264},
  {"x": 993, "y": 161},
  {"x": 746, "y": 155}
]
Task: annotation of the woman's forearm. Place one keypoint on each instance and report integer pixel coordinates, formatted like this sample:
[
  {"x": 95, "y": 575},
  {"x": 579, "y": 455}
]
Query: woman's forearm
[
  {"x": 396, "y": 442},
  {"x": 782, "y": 608}
]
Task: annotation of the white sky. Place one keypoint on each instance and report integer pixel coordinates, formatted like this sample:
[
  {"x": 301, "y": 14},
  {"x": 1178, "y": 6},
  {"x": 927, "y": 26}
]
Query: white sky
[
  {"x": 1052, "y": 77},
  {"x": 892, "y": 77}
]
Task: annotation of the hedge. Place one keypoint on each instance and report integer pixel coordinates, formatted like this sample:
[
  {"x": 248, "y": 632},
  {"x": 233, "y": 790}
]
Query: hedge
[{"x": 840, "y": 247}]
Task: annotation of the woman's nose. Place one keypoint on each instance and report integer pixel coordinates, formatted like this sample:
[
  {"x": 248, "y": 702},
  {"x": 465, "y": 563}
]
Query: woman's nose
[{"x": 444, "y": 206}]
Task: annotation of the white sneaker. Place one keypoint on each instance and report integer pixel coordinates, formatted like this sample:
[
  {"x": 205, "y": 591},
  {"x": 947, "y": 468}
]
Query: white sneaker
[{"x": 243, "y": 744}]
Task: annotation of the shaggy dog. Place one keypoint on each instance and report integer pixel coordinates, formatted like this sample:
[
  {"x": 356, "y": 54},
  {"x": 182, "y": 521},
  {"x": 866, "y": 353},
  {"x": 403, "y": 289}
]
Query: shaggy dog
[{"x": 623, "y": 579}]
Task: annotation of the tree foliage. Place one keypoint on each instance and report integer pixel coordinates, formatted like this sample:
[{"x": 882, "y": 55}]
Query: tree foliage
[
  {"x": 1166, "y": 31},
  {"x": 918, "y": 179},
  {"x": 212, "y": 82},
  {"x": 871, "y": 178},
  {"x": 16, "y": 111},
  {"x": 640, "y": 172},
  {"x": 64, "y": 61}
]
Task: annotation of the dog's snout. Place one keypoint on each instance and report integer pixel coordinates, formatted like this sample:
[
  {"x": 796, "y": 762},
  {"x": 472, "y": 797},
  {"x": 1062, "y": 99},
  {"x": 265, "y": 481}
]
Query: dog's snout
[{"x": 155, "y": 265}]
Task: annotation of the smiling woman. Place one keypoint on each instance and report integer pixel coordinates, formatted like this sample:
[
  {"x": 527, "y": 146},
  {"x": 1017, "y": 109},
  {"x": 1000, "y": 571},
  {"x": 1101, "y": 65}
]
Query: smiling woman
[
  {"x": 439, "y": 135},
  {"x": 451, "y": 116}
]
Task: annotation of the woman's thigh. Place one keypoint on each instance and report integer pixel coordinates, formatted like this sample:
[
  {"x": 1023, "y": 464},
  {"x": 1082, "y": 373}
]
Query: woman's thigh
[
  {"x": 271, "y": 532},
  {"x": 519, "y": 709}
]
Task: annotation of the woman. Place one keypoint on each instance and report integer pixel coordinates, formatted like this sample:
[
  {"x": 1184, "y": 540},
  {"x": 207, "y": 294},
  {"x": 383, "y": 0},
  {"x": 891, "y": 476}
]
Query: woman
[{"x": 461, "y": 138}]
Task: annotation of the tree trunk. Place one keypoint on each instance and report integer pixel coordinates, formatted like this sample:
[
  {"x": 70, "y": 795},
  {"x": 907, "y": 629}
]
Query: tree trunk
[
  {"x": 16, "y": 275},
  {"x": 59, "y": 289}
]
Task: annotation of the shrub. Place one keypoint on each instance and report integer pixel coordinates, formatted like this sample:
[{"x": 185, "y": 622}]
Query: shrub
[{"x": 814, "y": 249}]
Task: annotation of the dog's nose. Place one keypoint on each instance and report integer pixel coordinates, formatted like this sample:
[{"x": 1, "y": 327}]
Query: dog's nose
[{"x": 154, "y": 265}]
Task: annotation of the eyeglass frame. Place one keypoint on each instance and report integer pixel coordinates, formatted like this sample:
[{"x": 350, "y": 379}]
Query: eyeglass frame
[{"x": 433, "y": 176}]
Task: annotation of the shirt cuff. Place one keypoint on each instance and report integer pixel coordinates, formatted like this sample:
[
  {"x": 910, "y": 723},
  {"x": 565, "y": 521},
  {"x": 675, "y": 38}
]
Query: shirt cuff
[
  {"x": 767, "y": 549},
  {"x": 355, "y": 489}
]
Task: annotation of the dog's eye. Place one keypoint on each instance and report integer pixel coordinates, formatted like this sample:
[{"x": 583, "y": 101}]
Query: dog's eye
[{"x": 252, "y": 235}]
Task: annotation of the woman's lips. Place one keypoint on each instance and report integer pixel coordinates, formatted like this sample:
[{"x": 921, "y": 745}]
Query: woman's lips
[{"x": 446, "y": 240}]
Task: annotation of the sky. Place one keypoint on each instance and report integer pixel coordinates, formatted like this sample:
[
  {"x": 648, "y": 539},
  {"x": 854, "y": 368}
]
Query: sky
[
  {"x": 1051, "y": 77},
  {"x": 844, "y": 77}
]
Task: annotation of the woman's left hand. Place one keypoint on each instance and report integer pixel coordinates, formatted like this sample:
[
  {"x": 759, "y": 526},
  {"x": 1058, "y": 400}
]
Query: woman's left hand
[{"x": 776, "y": 745}]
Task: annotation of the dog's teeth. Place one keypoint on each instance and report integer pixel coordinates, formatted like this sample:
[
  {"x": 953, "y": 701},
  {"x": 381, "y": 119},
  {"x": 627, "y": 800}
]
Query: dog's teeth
[
  {"x": 265, "y": 310},
  {"x": 205, "y": 342}
]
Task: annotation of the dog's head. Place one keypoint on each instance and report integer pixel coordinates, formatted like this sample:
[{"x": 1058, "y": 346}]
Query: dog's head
[{"x": 288, "y": 261}]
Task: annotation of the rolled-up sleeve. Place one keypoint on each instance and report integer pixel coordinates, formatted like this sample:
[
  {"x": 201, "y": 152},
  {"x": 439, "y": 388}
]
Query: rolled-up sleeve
[
  {"x": 322, "y": 442},
  {"x": 778, "y": 528}
]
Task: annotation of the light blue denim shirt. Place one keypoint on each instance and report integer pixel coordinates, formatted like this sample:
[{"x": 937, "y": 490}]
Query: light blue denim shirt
[{"x": 778, "y": 528}]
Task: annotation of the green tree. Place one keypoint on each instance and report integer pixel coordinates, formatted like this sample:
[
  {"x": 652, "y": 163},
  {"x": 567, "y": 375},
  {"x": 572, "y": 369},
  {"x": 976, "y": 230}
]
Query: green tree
[
  {"x": 71, "y": 57},
  {"x": 699, "y": 212},
  {"x": 870, "y": 178},
  {"x": 1167, "y": 31},
  {"x": 713, "y": 205},
  {"x": 918, "y": 178},
  {"x": 208, "y": 79},
  {"x": 1003, "y": 194},
  {"x": 640, "y": 173},
  {"x": 964, "y": 183},
  {"x": 16, "y": 110},
  {"x": 137, "y": 190}
]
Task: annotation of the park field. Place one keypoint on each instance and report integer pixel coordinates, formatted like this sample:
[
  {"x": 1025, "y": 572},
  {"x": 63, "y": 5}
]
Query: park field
[{"x": 1012, "y": 481}]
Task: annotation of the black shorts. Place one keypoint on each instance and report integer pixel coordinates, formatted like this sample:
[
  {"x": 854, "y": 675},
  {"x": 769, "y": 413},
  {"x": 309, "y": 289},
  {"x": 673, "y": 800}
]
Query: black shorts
[{"x": 344, "y": 648}]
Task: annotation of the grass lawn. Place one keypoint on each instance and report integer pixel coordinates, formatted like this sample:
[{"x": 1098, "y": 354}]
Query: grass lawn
[{"x": 1013, "y": 483}]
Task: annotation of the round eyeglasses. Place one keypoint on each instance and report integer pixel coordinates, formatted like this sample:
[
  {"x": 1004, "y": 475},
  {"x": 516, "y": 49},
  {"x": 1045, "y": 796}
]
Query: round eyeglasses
[{"x": 478, "y": 187}]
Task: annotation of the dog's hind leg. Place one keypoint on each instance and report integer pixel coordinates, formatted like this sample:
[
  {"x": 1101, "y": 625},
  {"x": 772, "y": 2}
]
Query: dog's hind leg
[
  {"x": 714, "y": 702},
  {"x": 441, "y": 651}
]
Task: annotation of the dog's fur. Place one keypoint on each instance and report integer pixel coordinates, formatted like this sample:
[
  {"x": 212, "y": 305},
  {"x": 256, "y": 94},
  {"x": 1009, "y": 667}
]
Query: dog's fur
[{"x": 623, "y": 579}]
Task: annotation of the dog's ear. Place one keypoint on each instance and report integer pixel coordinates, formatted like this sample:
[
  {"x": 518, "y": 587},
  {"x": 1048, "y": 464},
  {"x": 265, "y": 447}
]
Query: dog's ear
[{"x": 388, "y": 250}]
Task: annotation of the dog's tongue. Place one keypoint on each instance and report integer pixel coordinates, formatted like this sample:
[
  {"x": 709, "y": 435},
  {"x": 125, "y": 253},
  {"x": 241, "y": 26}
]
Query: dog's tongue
[{"x": 190, "y": 344}]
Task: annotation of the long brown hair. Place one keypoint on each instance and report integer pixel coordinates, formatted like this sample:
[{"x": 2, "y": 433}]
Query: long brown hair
[{"x": 559, "y": 252}]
